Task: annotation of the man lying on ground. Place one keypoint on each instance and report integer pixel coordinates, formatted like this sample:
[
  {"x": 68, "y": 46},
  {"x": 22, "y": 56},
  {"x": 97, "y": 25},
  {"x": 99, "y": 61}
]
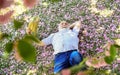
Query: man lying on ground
[{"x": 65, "y": 45}]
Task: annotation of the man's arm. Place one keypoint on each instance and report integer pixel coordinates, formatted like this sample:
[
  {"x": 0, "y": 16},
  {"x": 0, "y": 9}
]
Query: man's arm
[
  {"x": 46, "y": 41},
  {"x": 71, "y": 26},
  {"x": 76, "y": 23},
  {"x": 76, "y": 26},
  {"x": 41, "y": 43}
]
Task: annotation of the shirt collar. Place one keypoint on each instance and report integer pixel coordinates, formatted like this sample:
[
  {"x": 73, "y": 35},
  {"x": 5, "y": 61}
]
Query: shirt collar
[{"x": 63, "y": 30}]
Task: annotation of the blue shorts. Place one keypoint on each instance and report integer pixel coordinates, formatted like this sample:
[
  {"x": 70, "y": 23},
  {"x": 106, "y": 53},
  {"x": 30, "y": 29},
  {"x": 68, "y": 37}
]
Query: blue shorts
[{"x": 66, "y": 60}]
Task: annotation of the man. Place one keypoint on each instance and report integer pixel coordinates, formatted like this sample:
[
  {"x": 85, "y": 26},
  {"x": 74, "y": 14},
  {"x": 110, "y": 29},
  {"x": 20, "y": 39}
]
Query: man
[{"x": 65, "y": 45}]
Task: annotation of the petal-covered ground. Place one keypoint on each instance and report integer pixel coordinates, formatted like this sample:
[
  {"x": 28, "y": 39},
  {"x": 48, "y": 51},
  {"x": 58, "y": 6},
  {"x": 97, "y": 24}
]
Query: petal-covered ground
[{"x": 100, "y": 18}]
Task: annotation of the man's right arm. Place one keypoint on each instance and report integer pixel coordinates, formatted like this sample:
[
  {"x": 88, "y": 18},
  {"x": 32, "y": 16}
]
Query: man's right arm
[
  {"x": 46, "y": 41},
  {"x": 41, "y": 43}
]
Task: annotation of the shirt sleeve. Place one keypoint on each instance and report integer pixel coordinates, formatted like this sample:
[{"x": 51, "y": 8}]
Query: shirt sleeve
[
  {"x": 48, "y": 40},
  {"x": 76, "y": 30}
]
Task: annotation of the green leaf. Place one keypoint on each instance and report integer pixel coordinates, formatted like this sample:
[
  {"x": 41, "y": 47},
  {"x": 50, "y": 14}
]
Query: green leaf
[
  {"x": 79, "y": 67},
  {"x": 55, "y": 0},
  {"x": 18, "y": 24},
  {"x": 117, "y": 46},
  {"x": 3, "y": 35},
  {"x": 27, "y": 51},
  {"x": 108, "y": 59},
  {"x": 113, "y": 51},
  {"x": 31, "y": 38},
  {"x": 5, "y": 55},
  {"x": 9, "y": 47}
]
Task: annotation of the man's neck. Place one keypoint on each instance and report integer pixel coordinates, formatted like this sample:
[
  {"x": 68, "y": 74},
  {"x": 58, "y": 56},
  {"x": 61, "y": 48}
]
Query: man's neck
[{"x": 63, "y": 29}]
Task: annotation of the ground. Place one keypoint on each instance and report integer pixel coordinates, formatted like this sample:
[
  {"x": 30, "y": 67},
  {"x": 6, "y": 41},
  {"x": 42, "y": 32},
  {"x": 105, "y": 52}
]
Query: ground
[{"x": 101, "y": 20}]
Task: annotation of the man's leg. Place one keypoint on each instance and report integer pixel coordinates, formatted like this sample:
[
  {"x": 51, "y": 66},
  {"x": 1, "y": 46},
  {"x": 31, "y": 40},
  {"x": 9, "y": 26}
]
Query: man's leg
[
  {"x": 61, "y": 62},
  {"x": 75, "y": 58}
]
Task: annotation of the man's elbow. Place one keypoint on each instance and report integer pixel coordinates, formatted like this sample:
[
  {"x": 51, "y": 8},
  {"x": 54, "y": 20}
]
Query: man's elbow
[{"x": 78, "y": 24}]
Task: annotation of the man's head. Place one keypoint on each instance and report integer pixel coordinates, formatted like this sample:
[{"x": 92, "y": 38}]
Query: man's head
[{"x": 63, "y": 24}]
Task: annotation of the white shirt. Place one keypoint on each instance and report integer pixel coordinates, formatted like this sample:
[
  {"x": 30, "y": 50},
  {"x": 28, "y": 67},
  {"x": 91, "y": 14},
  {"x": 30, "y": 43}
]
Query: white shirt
[{"x": 63, "y": 40}]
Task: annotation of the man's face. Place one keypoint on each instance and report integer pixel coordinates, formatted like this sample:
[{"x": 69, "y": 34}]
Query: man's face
[{"x": 63, "y": 25}]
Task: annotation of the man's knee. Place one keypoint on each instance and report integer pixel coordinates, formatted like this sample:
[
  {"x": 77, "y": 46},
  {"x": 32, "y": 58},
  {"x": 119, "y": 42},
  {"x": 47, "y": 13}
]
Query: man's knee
[{"x": 75, "y": 58}]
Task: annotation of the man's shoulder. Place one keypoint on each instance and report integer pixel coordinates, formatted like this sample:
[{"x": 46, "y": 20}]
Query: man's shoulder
[
  {"x": 52, "y": 34},
  {"x": 55, "y": 33}
]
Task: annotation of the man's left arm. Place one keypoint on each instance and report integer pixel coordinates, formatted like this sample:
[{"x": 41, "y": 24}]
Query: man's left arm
[{"x": 77, "y": 26}]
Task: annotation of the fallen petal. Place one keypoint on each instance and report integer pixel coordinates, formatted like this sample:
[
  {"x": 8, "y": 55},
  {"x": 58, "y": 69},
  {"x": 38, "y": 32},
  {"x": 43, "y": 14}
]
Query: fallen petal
[
  {"x": 5, "y": 3},
  {"x": 6, "y": 17},
  {"x": 30, "y": 3}
]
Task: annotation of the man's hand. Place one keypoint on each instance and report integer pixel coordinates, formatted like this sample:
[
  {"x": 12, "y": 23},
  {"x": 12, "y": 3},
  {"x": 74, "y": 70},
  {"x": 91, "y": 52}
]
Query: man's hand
[
  {"x": 41, "y": 43},
  {"x": 76, "y": 24}
]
